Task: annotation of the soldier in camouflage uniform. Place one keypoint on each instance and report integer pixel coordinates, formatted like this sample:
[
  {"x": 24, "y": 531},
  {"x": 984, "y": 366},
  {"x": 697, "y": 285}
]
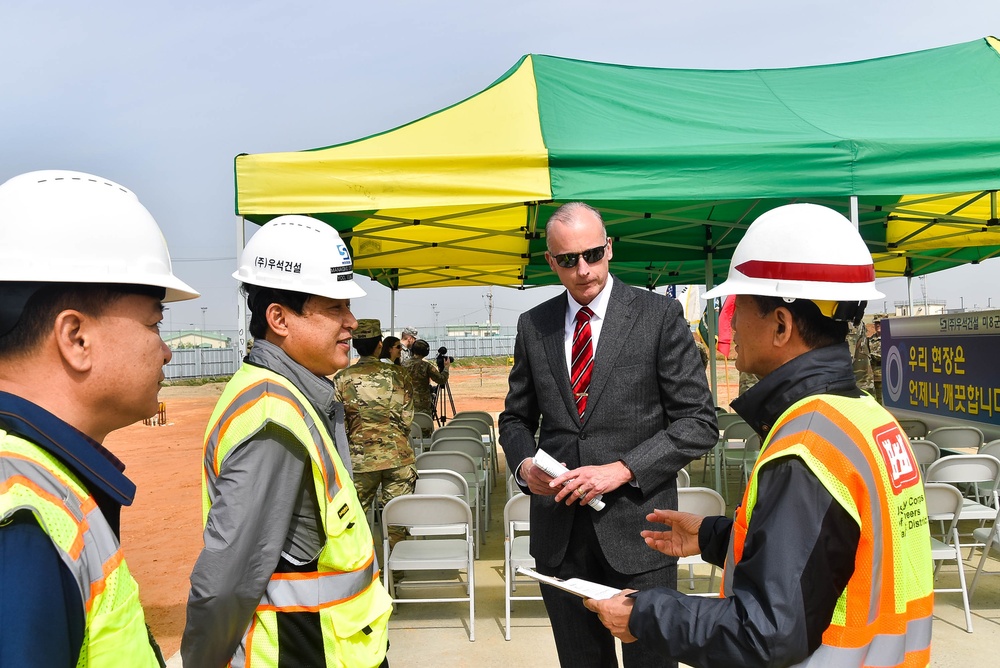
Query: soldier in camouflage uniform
[
  {"x": 747, "y": 380},
  {"x": 422, "y": 372},
  {"x": 875, "y": 352},
  {"x": 857, "y": 342},
  {"x": 378, "y": 405}
]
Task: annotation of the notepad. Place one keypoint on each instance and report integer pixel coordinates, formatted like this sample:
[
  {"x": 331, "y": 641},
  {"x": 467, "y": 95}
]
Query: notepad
[{"x": 582, "y": 588}]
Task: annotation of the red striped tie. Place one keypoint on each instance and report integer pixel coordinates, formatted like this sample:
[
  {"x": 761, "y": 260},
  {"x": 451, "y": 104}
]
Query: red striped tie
[{"x": 583, "y": 358}]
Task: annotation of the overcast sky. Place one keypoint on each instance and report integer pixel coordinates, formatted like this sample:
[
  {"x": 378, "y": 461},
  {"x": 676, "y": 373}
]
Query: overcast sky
[{"x": 161, "y": 96}]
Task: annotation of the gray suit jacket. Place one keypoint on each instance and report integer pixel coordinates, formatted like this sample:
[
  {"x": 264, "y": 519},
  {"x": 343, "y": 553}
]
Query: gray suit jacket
[{"x": 648, "y": 405}]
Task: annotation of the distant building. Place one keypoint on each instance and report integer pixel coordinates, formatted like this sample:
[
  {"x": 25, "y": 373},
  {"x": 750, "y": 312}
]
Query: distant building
[
  {"x": 923, "y": 307},
  {"x": 473, "y": 330},
  {"x": 196, "y": 339}
]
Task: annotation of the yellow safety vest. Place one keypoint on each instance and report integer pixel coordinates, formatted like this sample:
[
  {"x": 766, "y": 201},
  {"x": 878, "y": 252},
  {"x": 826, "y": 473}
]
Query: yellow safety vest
[
  {"x": 345, "y": 589},
  {"x": 862, "y": 457},
  {"x": 115, "y": 626}
]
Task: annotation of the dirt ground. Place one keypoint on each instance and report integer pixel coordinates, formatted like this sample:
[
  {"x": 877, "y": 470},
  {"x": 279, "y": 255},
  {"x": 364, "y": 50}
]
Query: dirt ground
[{"x": 161, "y": 531}]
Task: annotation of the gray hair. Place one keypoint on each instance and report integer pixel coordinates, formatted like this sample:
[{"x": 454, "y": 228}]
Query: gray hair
[{"x": 567, "y": 214}]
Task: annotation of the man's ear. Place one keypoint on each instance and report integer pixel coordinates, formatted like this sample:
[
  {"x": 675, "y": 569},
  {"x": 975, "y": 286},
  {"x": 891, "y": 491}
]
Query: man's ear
[
  {"x": 277, "y": 319},
  {"x": 550, "y": 260},
  {"x": 783, "y": 326},
  {"x": 73, "y": 333}
]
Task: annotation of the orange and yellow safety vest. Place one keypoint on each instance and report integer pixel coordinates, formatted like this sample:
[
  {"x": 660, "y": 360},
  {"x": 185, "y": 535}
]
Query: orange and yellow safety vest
[
  {"x": 862, "y": 457},
  {"x": 345, "y": 589}
]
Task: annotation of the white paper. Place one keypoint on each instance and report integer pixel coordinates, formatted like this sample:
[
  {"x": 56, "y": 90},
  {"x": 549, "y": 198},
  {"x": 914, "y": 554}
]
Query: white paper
[
  {"x": 547, "y": 463},
  {"x": 582, "y": 588}
]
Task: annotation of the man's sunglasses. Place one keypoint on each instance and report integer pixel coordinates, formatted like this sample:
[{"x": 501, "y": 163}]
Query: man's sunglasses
[{"x": 591, "y": 255}]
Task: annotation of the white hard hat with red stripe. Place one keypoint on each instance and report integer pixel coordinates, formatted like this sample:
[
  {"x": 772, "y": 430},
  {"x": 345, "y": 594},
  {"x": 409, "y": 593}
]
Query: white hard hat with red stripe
[{"x": 802, "y": 251}]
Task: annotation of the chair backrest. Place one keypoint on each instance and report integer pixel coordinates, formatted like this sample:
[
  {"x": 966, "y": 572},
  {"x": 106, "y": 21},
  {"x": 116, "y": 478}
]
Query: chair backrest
[
  {"x": 454, "y": 461},
  {"x": 441, "y": 481},
  {"x": 957, "y": 437},
  {"x": 913, "y": 427},
  {"x": 991, "y": 448},
  {"x": 518, "y": 511},
  {"x": 683, "y": 479},
  {"x": 944, "y": 502},
  {"x": 726, "y": 419},
  {"x": 472, "y": 447},
  {"x": 450, "y": 431},
  {"x": 737, "y": 431},
  {"x": 965, "y": 468},
  {"x": 700, "y": 501},
  {"x": 422, "y": 510},
  {"x": 925, "y": 452},
  {"x": 425, "y": 421},
  {"x": 479, "y": 415},
  {"x": 512, "y": 487},
  {"x": 477, "y": 424},
  {"x": 719, "y": 410}
]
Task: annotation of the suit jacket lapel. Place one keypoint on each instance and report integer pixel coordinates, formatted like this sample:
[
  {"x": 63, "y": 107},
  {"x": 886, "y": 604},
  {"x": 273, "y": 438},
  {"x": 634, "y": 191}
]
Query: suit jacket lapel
[
  {"x": 554, "y": 341},
  {"x": 618, "y": 321}
]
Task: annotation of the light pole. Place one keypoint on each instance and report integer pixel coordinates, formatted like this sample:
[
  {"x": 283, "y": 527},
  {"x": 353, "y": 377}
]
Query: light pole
[
  {"x": 203, "y": 309},
  {"x": 434, "y": 309}
]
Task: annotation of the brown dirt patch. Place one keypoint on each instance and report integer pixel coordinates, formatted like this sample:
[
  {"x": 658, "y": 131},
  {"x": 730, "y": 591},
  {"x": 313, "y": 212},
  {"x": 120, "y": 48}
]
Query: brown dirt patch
[{"x": 161, "y": 531}]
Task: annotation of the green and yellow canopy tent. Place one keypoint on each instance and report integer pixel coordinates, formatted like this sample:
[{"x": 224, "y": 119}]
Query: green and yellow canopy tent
[{"x": 678, "y": 161}]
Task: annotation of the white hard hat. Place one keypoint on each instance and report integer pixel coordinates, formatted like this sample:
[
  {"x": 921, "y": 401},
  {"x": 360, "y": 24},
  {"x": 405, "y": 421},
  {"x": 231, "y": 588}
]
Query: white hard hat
[
  {"x": 802, "y": 251},
  {"x": 302, "y": 254},
  {"x": 69, "y": 227}
]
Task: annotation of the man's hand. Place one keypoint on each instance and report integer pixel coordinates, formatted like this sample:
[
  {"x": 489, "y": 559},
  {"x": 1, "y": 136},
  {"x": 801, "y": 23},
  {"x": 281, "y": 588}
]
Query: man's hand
[
  {"x": 583, "y": 484},
  {"x": 536, "y": 479},
  {"x": 614, "y": 613},
  {"x": 681, "y": 537}
]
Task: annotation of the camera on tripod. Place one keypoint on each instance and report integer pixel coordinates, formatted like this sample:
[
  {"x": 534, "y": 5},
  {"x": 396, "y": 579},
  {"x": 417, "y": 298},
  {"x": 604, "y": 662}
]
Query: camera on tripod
[{"x": 442, "y": 356}]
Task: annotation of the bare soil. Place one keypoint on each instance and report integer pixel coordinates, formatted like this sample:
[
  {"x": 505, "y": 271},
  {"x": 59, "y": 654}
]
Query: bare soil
[{"x": 161, "y": 531}]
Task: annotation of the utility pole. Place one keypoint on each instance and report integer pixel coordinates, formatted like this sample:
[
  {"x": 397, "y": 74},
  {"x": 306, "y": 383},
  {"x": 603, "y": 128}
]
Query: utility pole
[
  {"x": 434, "y": 309},
  {"x": 489, "y": 308},
  {"x": 203, "y": 309}
]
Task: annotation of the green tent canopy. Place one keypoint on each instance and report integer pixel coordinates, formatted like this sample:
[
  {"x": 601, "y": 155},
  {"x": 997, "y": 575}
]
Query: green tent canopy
[{"x": 679, "y": 162}]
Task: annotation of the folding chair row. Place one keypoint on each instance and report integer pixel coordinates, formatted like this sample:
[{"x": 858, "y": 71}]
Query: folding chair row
[{"x": 465, "y": 466}]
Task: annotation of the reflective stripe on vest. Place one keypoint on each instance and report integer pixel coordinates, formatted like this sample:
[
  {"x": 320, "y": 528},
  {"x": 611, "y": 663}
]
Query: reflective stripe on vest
[
  {"x": 248, "y": 398},
  {"x": 287, "y": 591},
  {"x": 94, "y": 548},
  {"x": 858, "y": 452},
  {"x": 35, "y": 481}
]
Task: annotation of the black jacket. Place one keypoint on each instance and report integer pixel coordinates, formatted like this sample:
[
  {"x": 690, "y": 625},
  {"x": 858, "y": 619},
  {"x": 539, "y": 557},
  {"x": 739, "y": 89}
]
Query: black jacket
[{"x": 797, "y": 559}]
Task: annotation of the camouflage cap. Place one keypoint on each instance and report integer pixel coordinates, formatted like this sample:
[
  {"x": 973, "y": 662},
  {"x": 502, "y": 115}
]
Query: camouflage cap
[
  {"x": 368, "y": 328},
  {"x": 409, "y": 331}
]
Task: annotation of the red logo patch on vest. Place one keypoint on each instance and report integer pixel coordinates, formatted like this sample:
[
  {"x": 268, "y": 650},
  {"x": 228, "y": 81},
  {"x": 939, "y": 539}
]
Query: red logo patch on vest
[{"x": 903, "y": 471}]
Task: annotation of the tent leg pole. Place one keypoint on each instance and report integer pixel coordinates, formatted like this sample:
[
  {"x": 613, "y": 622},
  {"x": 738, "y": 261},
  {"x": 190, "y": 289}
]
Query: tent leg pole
[
  {"x": 392, "y": 311},
  {"x": 909, "y": 295},
  {"x": 855, "y": 215},
  {"x": 241, "y": 303},
  {"x": 712, "y": 329}
]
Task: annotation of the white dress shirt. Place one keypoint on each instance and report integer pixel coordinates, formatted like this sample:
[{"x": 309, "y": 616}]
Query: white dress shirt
[{"x": 599, "y": 305}]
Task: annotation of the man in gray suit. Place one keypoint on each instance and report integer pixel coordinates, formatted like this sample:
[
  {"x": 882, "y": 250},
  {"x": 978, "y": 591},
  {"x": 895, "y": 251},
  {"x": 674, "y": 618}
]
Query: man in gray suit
[{"x": 614, "y": 376}]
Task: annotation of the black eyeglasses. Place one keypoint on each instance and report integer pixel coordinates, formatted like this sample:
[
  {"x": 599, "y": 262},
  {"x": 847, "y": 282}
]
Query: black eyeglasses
[{"x": 591, "y": 255}]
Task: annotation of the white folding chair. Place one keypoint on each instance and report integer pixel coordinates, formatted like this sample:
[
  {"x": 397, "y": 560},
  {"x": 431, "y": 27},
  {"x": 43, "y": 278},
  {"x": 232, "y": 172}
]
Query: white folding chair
[
  {"x": 464, "y": 465},
  {"x": 414, "y": 553},
  {"x": 981, "y": 473},
  {"x": 516, "y": 524},
  {"x": 944, "y": 503},
  {"x": 476, "y": 449},
  {"x": 924, "y": 452},
  {"x": 683, "y": 479},
  {"x": 440, "y": 481},
  {"x": 733, "y": 451},
  {"x": 724, "y": 419},
  {"x": 950, "y": 438},
  {"x": 425, "y": 421},
  {"x": 991, "y": 448},
  {"x": 705, "y": 502},
  {"x": 990, "y": 538},
  {"x": 416, "y": 438},
  {"x": 913, "y": 428},
  {"x": 482, "y": 422},
  {"x": 513, "y": 489}
]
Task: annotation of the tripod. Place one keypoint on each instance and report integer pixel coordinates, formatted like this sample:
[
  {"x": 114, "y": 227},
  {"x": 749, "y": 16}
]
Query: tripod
[{"x": 440, "y": 406}]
